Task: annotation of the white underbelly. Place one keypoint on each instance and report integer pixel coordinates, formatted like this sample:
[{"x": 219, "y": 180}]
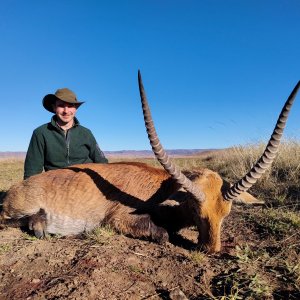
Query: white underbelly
[{"x": 65, "y": 225}]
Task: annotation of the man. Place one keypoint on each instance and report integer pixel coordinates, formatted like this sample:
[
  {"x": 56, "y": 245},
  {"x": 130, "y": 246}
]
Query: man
[{"x": 62, "y": 142}]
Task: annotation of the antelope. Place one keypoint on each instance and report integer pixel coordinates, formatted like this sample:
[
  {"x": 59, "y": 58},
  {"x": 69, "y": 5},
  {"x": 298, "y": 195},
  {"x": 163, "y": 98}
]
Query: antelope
[{"x": 134, "y": 198}]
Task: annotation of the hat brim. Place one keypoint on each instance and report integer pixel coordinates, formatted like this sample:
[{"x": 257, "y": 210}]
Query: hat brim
[{"x": 50, "y": 99}]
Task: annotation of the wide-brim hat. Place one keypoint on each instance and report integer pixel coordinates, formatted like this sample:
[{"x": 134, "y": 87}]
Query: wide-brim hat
[{"x": 63, "y": 94}]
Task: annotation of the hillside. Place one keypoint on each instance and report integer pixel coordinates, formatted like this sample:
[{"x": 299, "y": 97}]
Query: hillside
[{"x": 122, "y": 153}]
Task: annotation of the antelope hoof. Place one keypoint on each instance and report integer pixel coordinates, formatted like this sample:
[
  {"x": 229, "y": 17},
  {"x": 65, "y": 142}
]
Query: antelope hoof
[{"x": 159, "y": 235}]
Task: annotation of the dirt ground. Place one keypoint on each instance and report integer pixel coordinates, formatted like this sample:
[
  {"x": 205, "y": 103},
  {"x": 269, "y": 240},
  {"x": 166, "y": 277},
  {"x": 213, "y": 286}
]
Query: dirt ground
[{"x": 113, "y": 266}]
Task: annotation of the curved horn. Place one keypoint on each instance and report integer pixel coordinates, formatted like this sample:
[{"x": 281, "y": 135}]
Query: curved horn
[
  {"x": 160, "y": 153},
  {"x": 269, "y": 154}
]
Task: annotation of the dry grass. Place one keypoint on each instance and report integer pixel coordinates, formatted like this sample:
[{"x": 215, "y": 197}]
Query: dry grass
[
  {"x": 265, "y": 263},
  {"x": 279, "y": 186},
  {"x": 11, "y": 172}
]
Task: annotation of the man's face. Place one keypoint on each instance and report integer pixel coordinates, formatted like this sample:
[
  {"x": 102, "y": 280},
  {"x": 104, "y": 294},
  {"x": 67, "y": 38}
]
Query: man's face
[{"x": 65, "y": 111}]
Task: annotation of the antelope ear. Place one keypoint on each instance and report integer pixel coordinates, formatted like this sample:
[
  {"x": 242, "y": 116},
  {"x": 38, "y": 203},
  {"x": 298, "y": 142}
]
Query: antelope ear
[
  {"x": 247, "y": 198},
  {"x": 244, "y": 198}
]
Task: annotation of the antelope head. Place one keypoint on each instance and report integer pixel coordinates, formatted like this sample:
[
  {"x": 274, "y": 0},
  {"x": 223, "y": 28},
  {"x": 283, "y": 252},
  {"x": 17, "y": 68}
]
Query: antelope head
[{"x": 209, "y": 197}]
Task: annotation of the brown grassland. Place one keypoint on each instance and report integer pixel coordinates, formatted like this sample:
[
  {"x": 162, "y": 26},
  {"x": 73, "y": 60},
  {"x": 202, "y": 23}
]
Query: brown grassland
[{"x": 262, "y": 261}]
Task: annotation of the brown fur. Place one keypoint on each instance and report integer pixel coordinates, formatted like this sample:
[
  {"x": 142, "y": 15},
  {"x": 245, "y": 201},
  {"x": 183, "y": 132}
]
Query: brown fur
[{"x": 127, "y": 196}]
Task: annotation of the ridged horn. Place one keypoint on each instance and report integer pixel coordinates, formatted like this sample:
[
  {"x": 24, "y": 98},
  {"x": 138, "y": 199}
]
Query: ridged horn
[
  {"x": 159, "y": 151},
  {"x": 269, "y": 154}
]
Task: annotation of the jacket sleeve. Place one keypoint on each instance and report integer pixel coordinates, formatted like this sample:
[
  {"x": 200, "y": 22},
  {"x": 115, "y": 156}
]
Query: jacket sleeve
[
  {"x": 96, "y": 154},
  {"x": 34, "y": 161}
]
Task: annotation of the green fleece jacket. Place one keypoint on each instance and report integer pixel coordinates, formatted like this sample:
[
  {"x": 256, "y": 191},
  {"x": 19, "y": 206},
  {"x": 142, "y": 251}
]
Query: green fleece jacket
[{"x": 50, "y": 148}]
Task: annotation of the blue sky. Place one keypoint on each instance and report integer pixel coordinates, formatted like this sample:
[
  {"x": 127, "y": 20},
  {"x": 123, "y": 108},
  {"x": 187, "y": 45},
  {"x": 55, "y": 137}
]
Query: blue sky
[{"x": 216, "y": 72}]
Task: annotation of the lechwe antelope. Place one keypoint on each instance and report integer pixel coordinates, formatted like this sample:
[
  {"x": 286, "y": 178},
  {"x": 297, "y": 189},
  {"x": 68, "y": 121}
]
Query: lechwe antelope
[{"x": 129, "y": 196}]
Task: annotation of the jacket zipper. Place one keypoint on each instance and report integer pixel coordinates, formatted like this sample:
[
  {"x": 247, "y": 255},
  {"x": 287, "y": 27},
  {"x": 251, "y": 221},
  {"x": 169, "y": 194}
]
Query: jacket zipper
[{"x": 68, "y": 145}]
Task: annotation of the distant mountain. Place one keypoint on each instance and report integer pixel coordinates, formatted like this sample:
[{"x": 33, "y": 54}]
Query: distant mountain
[
  {"x": 123, "y": 153},
  {"x": 149, "y": 153},
  {"x": 11, "y": 154}
]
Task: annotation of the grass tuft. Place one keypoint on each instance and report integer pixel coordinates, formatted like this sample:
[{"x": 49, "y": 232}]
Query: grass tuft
[
  {"x": 5, "y": 248},
  {"x": 101, "y": 235},
  {"x": 197, "y": 257}
]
